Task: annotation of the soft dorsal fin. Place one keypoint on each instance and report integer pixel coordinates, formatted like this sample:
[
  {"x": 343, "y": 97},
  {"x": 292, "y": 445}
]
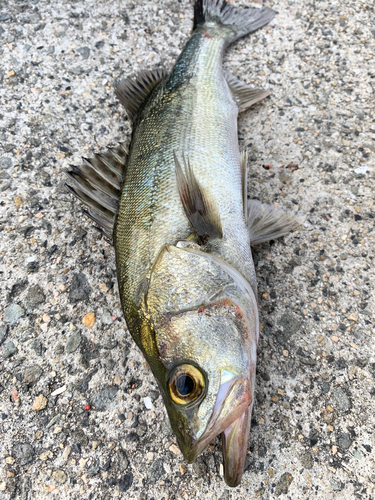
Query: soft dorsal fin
[
  {"x": 244, "y": 95},
  {"x": 200, "y": 212},
  {"x": 132, "y": 92},
  {"x": 97, "y": 183}
]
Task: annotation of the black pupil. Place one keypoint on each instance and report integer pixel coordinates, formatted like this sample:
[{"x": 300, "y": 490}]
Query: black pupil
[{"x": 184, "y": 385}]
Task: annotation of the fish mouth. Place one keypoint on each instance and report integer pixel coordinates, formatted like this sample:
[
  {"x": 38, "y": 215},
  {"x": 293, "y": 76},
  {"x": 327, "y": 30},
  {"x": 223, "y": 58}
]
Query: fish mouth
[{"x": 231, "y": 418}]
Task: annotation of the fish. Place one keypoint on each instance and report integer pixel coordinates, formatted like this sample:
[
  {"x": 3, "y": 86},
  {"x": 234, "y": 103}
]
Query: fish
[{"x": 177, "y": 208}]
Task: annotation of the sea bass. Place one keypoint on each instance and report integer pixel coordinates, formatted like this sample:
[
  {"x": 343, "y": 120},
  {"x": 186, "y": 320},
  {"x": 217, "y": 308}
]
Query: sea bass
[{"x": 177, "y": 209}]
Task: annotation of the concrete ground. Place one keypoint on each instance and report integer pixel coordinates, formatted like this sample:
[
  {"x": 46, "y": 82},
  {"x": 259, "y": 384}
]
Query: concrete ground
[{"x": 64, "y": 344}]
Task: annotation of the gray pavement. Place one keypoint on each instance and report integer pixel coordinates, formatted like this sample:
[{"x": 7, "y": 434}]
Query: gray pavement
[{"x": 80, "y": 413}]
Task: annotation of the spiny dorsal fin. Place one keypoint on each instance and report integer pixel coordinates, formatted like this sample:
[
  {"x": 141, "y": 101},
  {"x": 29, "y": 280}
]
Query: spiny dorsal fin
[
  {"x": 266, "y": 222},
  {"x": 97, "y": 183},
  {"x": 244, "y": 95},
  {"x": 201, "y": 214},
  {"x": 132, "y": 92}
]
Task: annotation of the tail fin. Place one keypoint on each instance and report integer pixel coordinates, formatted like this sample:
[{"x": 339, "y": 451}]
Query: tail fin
[{"x": 241, "y": 21}]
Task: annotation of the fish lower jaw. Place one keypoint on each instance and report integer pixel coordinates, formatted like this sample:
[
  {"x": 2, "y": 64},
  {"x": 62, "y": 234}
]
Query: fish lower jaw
[{"x": 194, "y": 450}]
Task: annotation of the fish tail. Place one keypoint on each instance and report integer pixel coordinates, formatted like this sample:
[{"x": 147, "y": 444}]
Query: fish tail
[{"x": 241, "y": 21}]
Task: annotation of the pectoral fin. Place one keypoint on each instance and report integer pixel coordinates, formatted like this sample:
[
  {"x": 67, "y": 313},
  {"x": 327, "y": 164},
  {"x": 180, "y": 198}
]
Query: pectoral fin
[
  {"x": 200, "y": 212},
  {"x": 266, "y": 222},
  {"x": 244, "y": 174},
  {"x": 244, "y": 95},
  {"x": 132, "y": 92}
]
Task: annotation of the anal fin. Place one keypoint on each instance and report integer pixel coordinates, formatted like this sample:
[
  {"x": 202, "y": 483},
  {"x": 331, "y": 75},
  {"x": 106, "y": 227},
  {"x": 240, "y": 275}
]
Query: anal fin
[
  {"x": 244, "y": 95},
  {"x": 266, "y": 222},
  {"x": 201, "y": 214},
  {"x": 97, "y": 183},
  {"x": 132, "y": 92}
]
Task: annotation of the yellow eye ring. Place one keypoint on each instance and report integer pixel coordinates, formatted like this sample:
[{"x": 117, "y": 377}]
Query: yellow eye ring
[{"x": 186, "y": 384}]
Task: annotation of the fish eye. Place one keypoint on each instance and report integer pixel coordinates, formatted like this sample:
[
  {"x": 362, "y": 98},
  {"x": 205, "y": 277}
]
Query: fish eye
[{"x": 186, "y": 384}]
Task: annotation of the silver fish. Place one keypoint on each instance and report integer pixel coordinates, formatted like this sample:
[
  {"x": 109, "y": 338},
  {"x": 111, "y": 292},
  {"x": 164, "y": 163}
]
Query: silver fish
[{"x": 177, "y": 208}]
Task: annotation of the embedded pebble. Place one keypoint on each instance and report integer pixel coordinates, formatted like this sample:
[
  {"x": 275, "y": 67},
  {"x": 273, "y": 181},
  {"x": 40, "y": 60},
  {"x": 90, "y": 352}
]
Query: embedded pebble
[
  {"x": 35, "y": 297},
  {"x": 89, "y": 320},
  {"x": 105, "y": 316},
  {"x": 282, "y": 486},
  {"x": 66, "y": 452},
  {"x": 59, "y": 391},
  {"x": 13, "y": 313},
  {"x": 104, "y": 398},
  {"x": 183, "y": 469},
  {"x": 307, "y": 460},
  {"x": 342, "y": 400},
  {"x": 79, "y": 288},
  {"x": 290, "y": 324},
  {"x": 95, "y": 444},
  {"x": 32, "y": 374},
  {"x": 23, "y": 453},
  {"x": 40, "y": 403},
  {"x": 9, "y": 349},
  {"x": 175, "y": 449},
  {"x": 148, "y": 403},
  {"x": 125, "y": 482},
  {"x": 344, "y": 441},
  {"x": 5, "y": 162},
  {"x": 37, "y": 347},
  {"x": 73, "y": 343},
  {"x": 59, "y": 476},
  {"x": 3, "y": 333},
  {"x": 156, "y": 471}
]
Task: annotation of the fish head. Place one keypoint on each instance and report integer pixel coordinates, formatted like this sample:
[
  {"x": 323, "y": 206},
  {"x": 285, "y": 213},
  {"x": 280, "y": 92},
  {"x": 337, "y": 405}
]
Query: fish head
[{"x": 205, "y": 323}]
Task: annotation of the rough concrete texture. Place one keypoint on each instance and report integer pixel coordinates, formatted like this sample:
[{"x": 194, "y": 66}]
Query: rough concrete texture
[{"x": 74, "y": 421}]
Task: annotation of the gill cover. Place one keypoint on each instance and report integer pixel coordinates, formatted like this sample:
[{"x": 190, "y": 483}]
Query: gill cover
[{"x": 205, "y": 321}]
